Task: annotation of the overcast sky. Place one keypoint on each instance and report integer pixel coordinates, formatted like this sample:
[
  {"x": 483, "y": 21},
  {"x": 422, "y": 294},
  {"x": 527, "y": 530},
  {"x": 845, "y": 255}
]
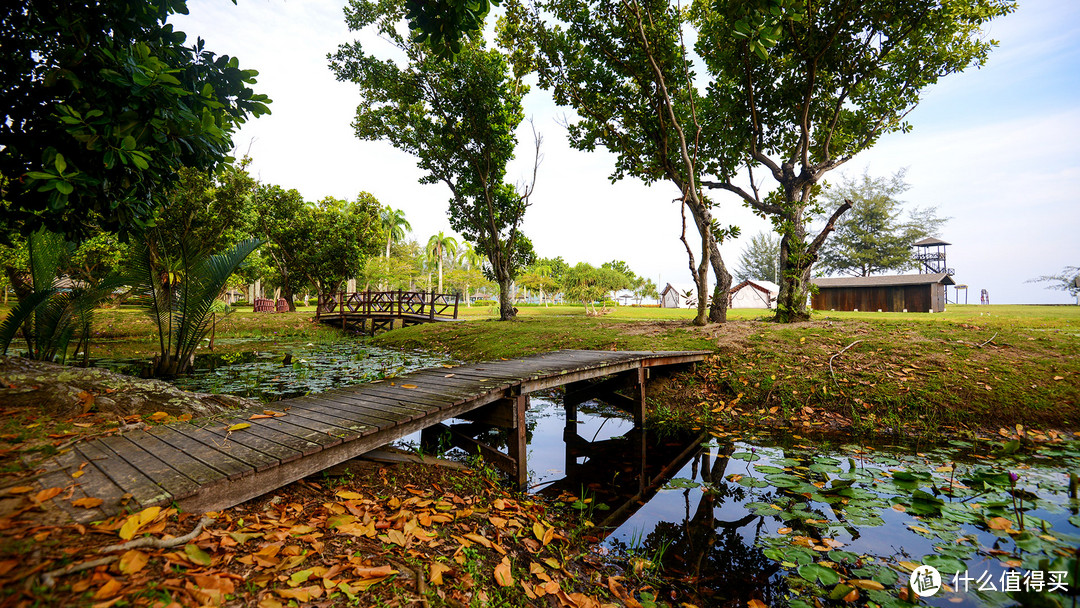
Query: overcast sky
[{"x": 996, "y": 149}]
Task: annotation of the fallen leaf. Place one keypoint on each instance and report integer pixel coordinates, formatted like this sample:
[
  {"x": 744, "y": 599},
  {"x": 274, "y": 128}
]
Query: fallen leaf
[
  {"x": 502, "y": 573},
  {"x": 132, "y": 561},
  {"x": 347, "y": 495},
  {"x": 755, "y": 603},
  {"x": 109, "y": 589},
  {"x": 158, "y": 416},
  {"x": 867, "y": 584},
  {"x": 20, "y": 489},
  {"x": 999, "y": 523},
  {"x": 408, "y": 386},
  {"x": 435, "y": 572},
  {"x": 238, "y": 427},
  {"x": 87, "y": 503},
  {"x": 48, "y": 494},
  {"x": 197, "y": 555}
]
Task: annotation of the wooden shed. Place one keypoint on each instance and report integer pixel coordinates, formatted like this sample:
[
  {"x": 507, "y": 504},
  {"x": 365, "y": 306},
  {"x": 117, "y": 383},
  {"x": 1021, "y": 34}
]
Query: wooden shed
[
  {"x": 753, "y": 294},
  {"x": 899, "y": 293},
  {"x": 669, "y": 298}
]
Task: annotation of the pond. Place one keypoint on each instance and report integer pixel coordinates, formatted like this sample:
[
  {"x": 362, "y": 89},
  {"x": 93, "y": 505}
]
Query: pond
[
  {"x": 806, "y": 522},
  {"x": 285, "y": 369}
]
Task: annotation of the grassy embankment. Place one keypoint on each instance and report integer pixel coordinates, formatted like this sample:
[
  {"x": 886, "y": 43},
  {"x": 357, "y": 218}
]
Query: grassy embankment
[{"x": 973, "y": 366}]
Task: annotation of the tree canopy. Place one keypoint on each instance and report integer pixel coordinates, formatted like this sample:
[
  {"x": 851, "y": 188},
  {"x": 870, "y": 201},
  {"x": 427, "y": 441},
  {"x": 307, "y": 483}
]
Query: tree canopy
[
  {"x": 875, "y": 237},
  {"x": 458, "y": 118},
  {"x": 102, "y": 104},
  {"x": 760, "y": 259},
  {"x": 837, "y": 76}
]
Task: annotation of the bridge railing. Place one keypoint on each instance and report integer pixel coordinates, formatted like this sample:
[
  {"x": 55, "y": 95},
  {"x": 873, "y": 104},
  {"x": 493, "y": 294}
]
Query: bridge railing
[{"x": 389, "y": 303}]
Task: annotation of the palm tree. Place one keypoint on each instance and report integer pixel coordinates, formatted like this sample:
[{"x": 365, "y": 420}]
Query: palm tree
[
  {"x": 440, "y": 246},
  {"x": 394, "y": 223},
  {"x": 472, "y": 260}
]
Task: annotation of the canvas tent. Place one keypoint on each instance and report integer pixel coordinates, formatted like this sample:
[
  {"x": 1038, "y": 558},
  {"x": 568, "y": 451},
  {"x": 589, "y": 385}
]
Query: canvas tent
[{"x": 753, "y": 294}]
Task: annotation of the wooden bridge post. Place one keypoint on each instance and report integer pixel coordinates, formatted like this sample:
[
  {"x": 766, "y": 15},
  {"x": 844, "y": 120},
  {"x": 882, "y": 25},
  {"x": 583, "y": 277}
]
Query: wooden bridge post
[
  {"x": 457, "y": 297},
  {"x": 516, "y": 444},
  {"x": 431, "y": 309},
  {"x": 341, "y": 297},
  {"x": 638, "y": 392}
]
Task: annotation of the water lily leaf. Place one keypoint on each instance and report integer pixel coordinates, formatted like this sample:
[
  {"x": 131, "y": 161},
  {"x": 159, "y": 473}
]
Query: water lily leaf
[
  {"x": 945, "y": 564},
  {"x": 747, "y": 456},
  {"x": 817, "y": 572}
]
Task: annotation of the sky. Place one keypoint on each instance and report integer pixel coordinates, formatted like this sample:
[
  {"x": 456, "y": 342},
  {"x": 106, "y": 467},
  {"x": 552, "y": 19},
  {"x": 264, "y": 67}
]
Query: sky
[{"x": 995, "y": 149}]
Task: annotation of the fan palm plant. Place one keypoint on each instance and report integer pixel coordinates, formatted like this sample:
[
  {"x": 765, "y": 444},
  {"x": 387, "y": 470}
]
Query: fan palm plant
[
  {"x": 49, "y": 316},
  {"x": 178, "y": 292}
]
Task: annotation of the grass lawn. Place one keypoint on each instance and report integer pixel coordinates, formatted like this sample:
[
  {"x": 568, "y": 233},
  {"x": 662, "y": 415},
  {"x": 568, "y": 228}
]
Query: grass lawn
[{"x": 970, "y": 366}]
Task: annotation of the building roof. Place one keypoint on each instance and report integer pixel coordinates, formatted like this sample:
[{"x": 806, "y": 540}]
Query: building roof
[
  {"x": 668, "y": 288},
  {"x": 930, "y": 242},
  {"x": 886, "y": 281},
  {"x": 763, "y": 286}
]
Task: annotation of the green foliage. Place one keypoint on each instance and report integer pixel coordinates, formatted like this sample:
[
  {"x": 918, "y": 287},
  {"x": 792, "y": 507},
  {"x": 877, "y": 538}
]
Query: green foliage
[
  {"x": 874, "y": 237},
  {"x": 445, "y": 24},
  {"x": 49, "y": 316},
  {"x": 178, "y": 289},
  {"x": 834, "y": 79},
  {"x": 760, "y": 259},
  {"x": 103, "y": 103},
  {"x": 283, "y": 220},
  {"x": 586, "y": 284},
  {"x": 211, "y": 210},
  {"x": 340, "y": 236},
  {"x": 458, "y": 118},
  {"x": 1066, "y": 280},
  {"x": 394, "y": 224},
  {"x": 439, "y": 248}
]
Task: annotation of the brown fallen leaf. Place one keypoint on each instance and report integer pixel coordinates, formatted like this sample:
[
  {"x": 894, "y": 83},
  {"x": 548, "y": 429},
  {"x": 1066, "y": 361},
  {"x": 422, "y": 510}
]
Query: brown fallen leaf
[
  {"x": 132, "y": 561},
  {"x": 436, "y": 571},
  {"x": 408, "y": 386},
  {"x": 87, "y": 503},
  {"x": 502, "y": 573},
  {"x": 47, "y": 494}
]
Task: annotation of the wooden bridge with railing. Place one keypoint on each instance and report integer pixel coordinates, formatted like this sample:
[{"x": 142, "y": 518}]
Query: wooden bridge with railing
[
  {"x": 214, "y": 464},
  {"x": 372, "y": 310}
]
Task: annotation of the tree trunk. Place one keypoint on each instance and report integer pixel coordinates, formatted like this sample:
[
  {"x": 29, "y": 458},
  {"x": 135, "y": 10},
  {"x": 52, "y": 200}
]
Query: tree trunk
[
  {"x": 795, "y": 265},
  {"x": 719, "y": 308},
  {"x": 506, "y": 307},
  {"x": 286, "y": 290}
]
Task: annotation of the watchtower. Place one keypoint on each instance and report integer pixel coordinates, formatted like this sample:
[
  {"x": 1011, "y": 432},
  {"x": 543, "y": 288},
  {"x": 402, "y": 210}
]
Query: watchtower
[{"x": 930, "y": 255}]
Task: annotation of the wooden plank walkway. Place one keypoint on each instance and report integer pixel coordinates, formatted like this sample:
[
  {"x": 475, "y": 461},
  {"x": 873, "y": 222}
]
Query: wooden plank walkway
[{"x": 204, "y": 467}]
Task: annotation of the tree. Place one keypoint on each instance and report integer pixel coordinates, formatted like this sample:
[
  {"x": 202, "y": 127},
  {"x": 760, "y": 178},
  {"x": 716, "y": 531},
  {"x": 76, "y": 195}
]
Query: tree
[
  {"x": 824, "y": 83},
  {"x": 444, "y": 24},
  {"x": 394, "y": 223},
  {"x": 103, "y": 104},
  {"x": 458, "y": 118},
  {"x": 211, "y": 210},
  {"x": 342, "y": 235},
  {"x": 586, "y": 284},
  {"x": 624, "y": 69},
  {"x": 1066, "y": 280},
  {"x": 473, "y": 262},
  {"x": 285, "y": 222},
  {"x": 646, "y": 289},
  {"x": 760, "y": 259},
  {"x": 538, "y": 276},
  {"x": 439, "y": 248},
  {"x": 874, "y": 237}
]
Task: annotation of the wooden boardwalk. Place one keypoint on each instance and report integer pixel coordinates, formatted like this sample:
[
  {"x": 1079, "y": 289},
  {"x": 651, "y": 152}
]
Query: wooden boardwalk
[
  {"x": 380, "y": 309},
  {"x": 205, "y": 467}
]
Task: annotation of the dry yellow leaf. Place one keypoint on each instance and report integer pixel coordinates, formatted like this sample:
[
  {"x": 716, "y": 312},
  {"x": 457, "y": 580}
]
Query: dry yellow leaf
[
  {"x": 87, "y": 503},
  {"x": 48, "y": 494},
  {"x": 436, "y": 571},
  {"x": 132, "y": 561},
  {"x": 348, "y": 495},
  {"x": 408, "y": 386},
  {"x": 238, "y": 427}
]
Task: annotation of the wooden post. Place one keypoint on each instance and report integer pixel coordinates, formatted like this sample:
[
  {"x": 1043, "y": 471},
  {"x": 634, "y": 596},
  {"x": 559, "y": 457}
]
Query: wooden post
[
  {"x": 516, "y": 444},
  {"x": 341, "y": 296},
  {"x": 398, "y": 304},
  {"x": 431, "y": 309},
  {"x": 457, "y": 296},
  {"x": 638, "y": 392}
]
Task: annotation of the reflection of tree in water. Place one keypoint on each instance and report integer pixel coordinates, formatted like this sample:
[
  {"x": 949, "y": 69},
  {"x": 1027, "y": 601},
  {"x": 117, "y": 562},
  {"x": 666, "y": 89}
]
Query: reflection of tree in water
[{"x": 711, "y": 558}]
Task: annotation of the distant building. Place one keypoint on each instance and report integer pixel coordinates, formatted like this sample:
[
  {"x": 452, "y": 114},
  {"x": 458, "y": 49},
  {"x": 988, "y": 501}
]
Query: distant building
[
  {"x": 669, "y": 298},
  {"x": 906, "y": 292},
  {"x": 753, "y": 294}
]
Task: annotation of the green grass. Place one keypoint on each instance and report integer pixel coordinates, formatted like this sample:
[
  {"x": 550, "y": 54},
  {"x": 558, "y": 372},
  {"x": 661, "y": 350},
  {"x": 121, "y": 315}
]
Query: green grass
[{"x": 971, "y": 366}]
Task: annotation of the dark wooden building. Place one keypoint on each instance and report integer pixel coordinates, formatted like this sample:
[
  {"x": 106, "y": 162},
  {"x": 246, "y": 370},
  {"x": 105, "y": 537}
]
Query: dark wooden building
[{"x": 906, "y": 292}]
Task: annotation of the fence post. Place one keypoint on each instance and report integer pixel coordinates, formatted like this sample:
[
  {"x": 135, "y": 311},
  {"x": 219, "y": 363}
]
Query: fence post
[
  {"x": 431, "y": 310},
  {"x": 457, "y": 296},
  {"x": 399, "y": 303}
]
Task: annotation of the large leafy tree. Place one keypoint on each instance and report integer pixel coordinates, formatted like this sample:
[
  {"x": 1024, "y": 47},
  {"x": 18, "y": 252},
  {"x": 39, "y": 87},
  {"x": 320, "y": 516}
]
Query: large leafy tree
[
  {"x": 833, "y": 77},
  {"x": 342, "y": 236},
  {"x": 875, "y": 236},
  {"x": 213, "y": 211},
  {"x": 102, "y": 103},
  {"x": 458, "y": 118},
  {"x": 285, "y": 222},
  {"x": 760, "y": 259},
  {"x": 622, "y": 65},
  {"x": 587, "y": 284}
]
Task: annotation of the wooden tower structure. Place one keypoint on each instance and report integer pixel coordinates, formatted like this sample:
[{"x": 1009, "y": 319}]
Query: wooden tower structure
[{"x": 930, "y": 255}]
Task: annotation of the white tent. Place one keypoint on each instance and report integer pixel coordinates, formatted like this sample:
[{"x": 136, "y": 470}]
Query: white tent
[
  {"x": 669, "y": 298},
  {"x": 753, "y": 294}
]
